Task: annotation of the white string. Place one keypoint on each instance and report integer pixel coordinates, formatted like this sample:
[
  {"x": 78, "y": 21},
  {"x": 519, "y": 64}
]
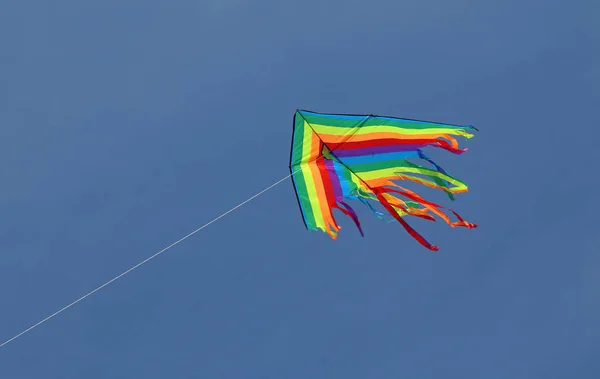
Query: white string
[{"x": 142, "y": 262}]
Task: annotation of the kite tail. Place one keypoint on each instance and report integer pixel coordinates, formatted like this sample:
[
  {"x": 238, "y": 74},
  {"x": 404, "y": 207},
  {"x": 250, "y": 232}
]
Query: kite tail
[
  {"x": 332, "y": 227},
  {"x": 348, "y": 211},
  {"x": 437, "y": 180},
  {"x": 377, "y": 213},
  {"x": 379, "y": 193},
  {"x": 403, "y": 208},
  {"x": 433, "y": 207},
  {"x": 398, "y": 208}
]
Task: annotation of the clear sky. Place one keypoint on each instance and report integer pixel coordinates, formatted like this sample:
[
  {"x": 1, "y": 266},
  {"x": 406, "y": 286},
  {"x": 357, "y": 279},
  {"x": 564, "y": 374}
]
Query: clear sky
[{"x": 124, "y": 125}]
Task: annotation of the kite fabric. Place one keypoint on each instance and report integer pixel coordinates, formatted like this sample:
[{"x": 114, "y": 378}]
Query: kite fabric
[{"x": 337, "y": 157}]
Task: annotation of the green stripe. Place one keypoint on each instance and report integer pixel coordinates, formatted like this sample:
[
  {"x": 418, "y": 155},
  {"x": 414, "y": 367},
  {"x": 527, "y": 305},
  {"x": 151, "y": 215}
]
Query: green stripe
[
  {"x": 377, "y": 121},
  {"x": 381, "y": 165},
  {"x": 331, "y": 121},
  {"x": 309, "y": 215},
  {"x": 297, "y": 141}
]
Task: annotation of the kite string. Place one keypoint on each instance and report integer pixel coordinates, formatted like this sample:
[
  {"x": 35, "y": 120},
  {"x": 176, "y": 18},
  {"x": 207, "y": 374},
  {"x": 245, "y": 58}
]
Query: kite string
[{"x": 144, "y": 261}]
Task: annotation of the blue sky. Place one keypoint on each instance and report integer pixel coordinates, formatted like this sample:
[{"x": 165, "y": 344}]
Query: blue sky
[{"x": 124, "y": 125}]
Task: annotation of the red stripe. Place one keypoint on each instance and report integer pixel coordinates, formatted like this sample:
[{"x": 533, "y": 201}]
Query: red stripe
[{"x": 329, "y": 190}]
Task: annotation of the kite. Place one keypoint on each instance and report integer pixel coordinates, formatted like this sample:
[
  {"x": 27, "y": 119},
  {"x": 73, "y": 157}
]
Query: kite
[{"x": 337, "y": 157}]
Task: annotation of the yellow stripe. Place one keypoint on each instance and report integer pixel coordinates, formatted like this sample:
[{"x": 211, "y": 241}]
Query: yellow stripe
[{"x": 308, "y": 175}]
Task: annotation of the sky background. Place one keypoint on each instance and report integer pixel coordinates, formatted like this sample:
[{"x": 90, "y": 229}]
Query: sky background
[{"x": 125, "y": 125}]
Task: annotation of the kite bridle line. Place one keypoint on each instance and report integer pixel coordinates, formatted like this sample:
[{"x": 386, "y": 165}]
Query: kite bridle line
[{"x": 146, "y": 260}]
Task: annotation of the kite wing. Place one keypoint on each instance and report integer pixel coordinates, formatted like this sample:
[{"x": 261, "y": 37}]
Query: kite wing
[{"x": 335, "y": 158}]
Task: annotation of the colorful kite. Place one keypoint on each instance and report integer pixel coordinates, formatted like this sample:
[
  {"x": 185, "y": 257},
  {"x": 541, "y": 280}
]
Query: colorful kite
[{"x": 336, "y": 157}]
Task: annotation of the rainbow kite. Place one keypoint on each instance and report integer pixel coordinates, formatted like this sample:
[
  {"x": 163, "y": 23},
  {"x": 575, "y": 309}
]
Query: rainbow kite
[{"x": 337, "y": 157}]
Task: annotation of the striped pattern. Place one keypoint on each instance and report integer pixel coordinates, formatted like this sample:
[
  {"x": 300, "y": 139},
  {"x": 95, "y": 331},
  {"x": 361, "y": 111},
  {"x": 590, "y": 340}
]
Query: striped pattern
[{"x": 336, "y": 158}]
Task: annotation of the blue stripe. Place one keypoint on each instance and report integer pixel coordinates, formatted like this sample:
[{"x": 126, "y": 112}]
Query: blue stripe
[{"x": 339, "y": 171}]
